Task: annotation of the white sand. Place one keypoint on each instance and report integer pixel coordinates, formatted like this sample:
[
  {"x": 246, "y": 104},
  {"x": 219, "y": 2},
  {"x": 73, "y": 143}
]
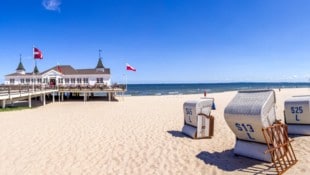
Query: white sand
[{"x": 138, "y": 135}]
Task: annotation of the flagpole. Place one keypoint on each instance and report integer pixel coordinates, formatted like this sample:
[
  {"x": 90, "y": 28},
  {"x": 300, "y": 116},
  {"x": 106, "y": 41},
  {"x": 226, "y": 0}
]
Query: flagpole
[
  {"x": 34, "y": 62},
  {"x": 126, "y": 81}
]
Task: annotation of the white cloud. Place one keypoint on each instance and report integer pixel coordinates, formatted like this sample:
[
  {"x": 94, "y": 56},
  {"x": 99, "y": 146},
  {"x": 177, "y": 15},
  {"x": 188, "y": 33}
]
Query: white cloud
[{"x": 51, "y": 4}]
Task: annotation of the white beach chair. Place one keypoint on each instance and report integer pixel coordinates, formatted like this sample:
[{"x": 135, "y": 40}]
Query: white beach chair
[
  {"x": 198, "y": 122},
  {"x": 246, "y": 115},
  {"x": 297, "y": 115}
]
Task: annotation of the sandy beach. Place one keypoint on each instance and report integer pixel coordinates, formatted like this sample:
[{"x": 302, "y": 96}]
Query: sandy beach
[{"x": 137, "y": 135}]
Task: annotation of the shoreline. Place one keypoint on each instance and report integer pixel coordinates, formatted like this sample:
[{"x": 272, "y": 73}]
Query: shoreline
[{"x": 200, "y": 88}]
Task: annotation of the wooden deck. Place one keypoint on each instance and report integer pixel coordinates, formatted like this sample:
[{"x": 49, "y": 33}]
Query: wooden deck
[{"x": 10, "y": 94}]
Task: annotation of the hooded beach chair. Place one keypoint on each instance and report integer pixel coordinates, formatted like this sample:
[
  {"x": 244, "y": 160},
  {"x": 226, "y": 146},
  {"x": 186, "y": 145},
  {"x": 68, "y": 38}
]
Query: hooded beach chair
[
  {"x": 246, "y": 115},
  {"x": 297, "y": 114}
]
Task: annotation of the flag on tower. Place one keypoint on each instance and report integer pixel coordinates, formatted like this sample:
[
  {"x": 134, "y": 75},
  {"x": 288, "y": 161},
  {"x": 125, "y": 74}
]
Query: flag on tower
[
  {"x": 128, "y": 67},
  {"x": 37, "y": 54}
]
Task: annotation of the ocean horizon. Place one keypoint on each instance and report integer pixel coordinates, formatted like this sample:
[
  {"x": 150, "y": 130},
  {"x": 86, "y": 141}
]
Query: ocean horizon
[{"x": 199, "y": 88}]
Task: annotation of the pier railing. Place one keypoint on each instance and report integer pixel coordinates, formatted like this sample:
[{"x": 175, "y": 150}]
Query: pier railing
[
  {"x": 20, "y": 89},
  {"x": 96, "y": 87}
]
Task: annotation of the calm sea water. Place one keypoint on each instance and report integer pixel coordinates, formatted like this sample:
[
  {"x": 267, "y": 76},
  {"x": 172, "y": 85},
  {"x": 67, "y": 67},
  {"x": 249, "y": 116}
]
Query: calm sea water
[{"x": 199, "y": 88}]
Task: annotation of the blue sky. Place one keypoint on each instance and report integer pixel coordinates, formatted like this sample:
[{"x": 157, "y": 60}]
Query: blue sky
[{"x": 165, "y": 40}]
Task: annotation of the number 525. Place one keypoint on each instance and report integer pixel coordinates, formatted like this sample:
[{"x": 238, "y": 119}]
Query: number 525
[{"x": 296, "y": 110}]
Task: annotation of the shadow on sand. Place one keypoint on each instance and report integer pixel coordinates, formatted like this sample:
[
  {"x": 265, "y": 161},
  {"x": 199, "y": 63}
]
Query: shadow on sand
[
  {"x": 177, "y": 134},
  {"x": 296, "y": 135},
  {"x": 228, "y": 161}
]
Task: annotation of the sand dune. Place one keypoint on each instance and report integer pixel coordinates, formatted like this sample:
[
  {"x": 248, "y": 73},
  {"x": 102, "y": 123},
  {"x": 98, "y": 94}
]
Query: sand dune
[{"x": 137, "y": 135}]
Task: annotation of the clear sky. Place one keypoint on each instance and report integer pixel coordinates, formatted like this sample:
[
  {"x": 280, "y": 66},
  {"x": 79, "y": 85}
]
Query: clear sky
[{"x": 165, "y": 40}]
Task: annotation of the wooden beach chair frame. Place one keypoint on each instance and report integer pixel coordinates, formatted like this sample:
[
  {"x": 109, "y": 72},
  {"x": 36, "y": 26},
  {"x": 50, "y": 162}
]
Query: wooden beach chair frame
[
  {"x": 279, "y": 147},
  {"x": 211, "y": 126}
]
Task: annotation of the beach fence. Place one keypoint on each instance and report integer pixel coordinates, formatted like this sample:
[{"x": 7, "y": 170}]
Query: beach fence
[
  {"x": 297, "y": 114},
  {"x": 198, "y": 121}
]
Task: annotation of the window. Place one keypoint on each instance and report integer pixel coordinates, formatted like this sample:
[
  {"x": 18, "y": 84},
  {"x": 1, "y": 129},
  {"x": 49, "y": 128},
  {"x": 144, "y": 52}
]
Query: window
[
  {"x": 39, "y": 80},
  {"x": 61, "y": 80},
  {"x": 12, "y": 81},
  {"x": 85, "y": 80},
  {"x": 27, "y": 80},
  {"x": 99, "y": 80},
  {"x": 67, "y": 80},
  {"x": 72, "y": 80},
  {"x": 22, "y": 81},
  {"x": 79, "y": 80}
]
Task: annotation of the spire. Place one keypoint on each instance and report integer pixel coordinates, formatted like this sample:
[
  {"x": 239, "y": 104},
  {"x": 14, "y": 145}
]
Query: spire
[
  {"x": 100, "y": 53},
  {"x": 99, "y": 64},
  {"x": 20, "y": 68},
  {"x": 36, "y": 70}
]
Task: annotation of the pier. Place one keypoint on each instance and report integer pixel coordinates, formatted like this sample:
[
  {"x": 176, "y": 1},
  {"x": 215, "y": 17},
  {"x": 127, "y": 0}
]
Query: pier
[{"x": 12, "y": 93}]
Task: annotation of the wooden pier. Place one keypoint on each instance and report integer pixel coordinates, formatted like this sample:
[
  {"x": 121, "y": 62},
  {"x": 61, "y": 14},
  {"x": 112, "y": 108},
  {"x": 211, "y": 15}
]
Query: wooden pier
[
  {"x": 88, "y": 91},
  {"x": 12, "y": 93}
]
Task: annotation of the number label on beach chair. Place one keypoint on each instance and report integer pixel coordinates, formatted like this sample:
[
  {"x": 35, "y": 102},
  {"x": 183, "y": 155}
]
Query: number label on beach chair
[
  {"x": 188, "y": 111},
  {"x": 295, "y": 110},
  {"x": 245, "y": 128},
  {"x": 189, "y": 114}
]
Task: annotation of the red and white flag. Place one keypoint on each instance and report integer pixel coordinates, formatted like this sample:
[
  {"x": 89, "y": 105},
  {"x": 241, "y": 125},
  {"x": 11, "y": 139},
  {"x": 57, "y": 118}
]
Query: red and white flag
[
  {"x": 128, "y": 67},
  {"x": 37, "y": 54}
]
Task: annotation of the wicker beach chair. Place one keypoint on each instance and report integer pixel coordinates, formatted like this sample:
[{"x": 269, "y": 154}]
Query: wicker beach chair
[{"x": 246, "y": 115}]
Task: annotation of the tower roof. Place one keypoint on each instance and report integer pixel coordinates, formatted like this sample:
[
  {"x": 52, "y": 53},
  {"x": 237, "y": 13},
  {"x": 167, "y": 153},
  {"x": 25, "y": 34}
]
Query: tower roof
[
  {"x": 36, "y": 70},
  {"x": 99, "y": 64},
  {"x": 20, "y": 66}
]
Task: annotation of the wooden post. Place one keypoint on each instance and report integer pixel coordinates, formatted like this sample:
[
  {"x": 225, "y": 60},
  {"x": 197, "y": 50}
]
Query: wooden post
[
  {"x": 3, "y": 104},
  {"x": 62, "y": 96},
  {"x": 44, "y": 99},
  {"x": 53, "y": 97},
  {"x": 29, "y": 100},
  {"x": 9, "y": 91},
  {"x": 109, "y": 94}
]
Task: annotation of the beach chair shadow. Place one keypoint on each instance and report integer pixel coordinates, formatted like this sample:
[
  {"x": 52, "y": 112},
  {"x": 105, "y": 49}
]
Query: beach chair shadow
[
  {"x": 296, "y": 135},
  {"x": 177, "y": 134},
  {"x": 227, "y": 161}
]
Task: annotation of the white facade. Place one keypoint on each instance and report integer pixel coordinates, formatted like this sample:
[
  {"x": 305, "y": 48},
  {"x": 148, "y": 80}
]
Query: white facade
[
  {"x": 61, "y": 76},
  {"x": 60, "y": 79}
]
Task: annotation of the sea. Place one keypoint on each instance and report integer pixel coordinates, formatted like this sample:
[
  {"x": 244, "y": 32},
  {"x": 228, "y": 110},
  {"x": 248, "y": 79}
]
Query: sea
[{"x": 200, "y": 88}]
